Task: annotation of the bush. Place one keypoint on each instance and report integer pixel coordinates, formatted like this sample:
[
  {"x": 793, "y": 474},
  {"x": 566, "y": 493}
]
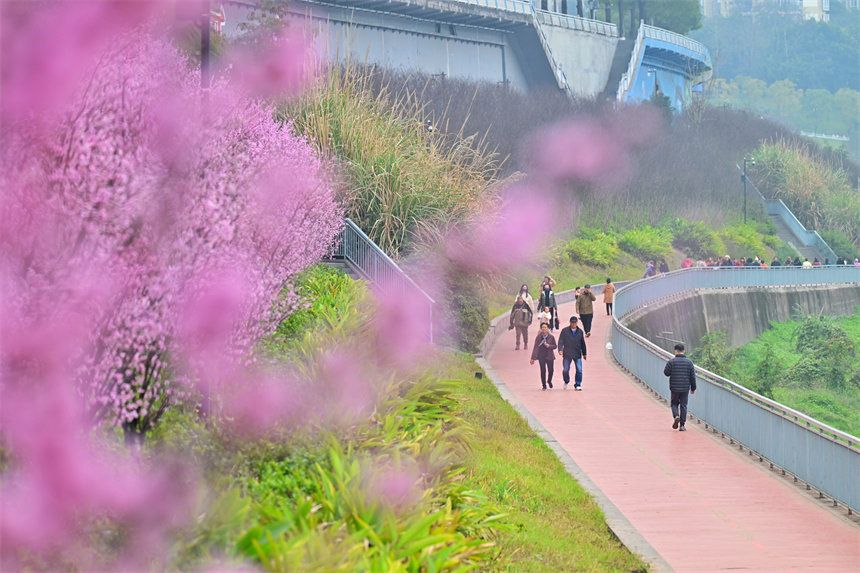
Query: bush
[
  {"x": 595, "y": 248},
  {"x": 745, "y": 238},
  {"x": 646, "y": 242},
  {"x": 713, "y": 353},
  {"x": 466, "y": 308},
  {"x": 840, "y": 244},
  {"x": 695, "y": 239}
]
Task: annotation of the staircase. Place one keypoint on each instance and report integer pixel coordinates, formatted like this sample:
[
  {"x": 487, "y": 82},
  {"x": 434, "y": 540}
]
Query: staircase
[
  {"x": 620, "y": 62},
  {"x": 345, "y": 267},
  {"x": 786, "y": 235}
]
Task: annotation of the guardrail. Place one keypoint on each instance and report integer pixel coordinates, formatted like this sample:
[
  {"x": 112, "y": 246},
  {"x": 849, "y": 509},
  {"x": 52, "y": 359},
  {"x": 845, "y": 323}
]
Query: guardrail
[
  {"x": 515, "y": 6},
  {"x": 357, "y": 248},
  {"x": 675, "y": 39},
  {"x": 557, "y": 70},
  {"x": 577, "y": 23},
  {"x": 778, "y": 208},
  {"x": 823, "y": 457},
  {"x": 636, "y": 57}
]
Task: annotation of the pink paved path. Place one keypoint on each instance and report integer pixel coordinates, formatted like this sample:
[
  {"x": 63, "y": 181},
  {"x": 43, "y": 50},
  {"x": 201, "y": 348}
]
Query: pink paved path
[{"x": 700, "y": 504}]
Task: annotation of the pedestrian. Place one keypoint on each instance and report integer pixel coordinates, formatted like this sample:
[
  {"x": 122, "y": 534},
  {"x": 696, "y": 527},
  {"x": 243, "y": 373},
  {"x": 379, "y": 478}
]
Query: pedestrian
[
  {"x": 682, "y": 383},
  {"x": 775, "y": 262},
  {"x": 687, "y": 263},
  {"x": 649, "y": 270},
  {"x": 608, "y": 296},
  {"x": 521, "y": 318},
  {"x": 571, "y": 347},
  {"x": 806, "y": 264},
  {"x": 524, "y": 292},
  {"x": 547, "y": 280},
  {"x": 547, "y": 299},
  {"x": 542, "y": 351},
  {"x": 543, "y": 316},
  {"x": 789, "y": 262},
  {"x": 664, "y": 266},
  {"x": 585, "y": 308}
]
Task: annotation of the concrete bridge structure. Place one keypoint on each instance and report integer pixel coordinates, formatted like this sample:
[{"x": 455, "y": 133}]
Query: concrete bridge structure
[{"x": 521, "y": 43}]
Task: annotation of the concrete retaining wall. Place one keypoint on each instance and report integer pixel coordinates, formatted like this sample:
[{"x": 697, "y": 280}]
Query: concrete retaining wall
[{"x": 741, "y": 313}]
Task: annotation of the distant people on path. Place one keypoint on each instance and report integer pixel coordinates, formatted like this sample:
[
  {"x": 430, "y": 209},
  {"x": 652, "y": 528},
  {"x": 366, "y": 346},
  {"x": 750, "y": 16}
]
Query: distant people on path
[
  {"x": 547, "y": 280},
  {"x": 609, "y": 295},
  {"x": 571, "y": 347},
  {"x": 687, "y": 263},
  {"x": 544, "y": 352},
  {"x": 649, "y": 270},
  {"x": 520, "y": 319},
  {"x": 664, "y": 266},
  {"x": 547, "y": 299},
  {"x": 682, "y": 383},
  {"x": 585, "y": 308},
  {"x": 806, "y": 264},
  {"x": 524, "y": 292},
  {"x": 816, "y": 262},
  {"x": 775, "y": 262},
  {"x": 789, "y": 262}
]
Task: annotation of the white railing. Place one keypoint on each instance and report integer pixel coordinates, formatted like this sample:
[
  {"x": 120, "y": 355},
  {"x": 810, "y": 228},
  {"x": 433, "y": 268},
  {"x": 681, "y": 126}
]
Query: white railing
[
  {"x": 557, "y": 70},
  {"x": 577, "y": 23},
  {"x": 627, "y": 77}
]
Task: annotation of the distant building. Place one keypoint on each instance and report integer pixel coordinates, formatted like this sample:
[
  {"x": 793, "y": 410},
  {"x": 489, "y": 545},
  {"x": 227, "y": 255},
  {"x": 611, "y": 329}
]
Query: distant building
[{"x": 818, "y": 10}]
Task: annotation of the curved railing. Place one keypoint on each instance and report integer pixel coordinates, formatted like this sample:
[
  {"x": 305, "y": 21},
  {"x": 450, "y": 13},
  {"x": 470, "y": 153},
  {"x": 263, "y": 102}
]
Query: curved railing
[
  {"x": 675, "y": 39},
  {"x": 515, "y": 6},
  {"x": 822, "y": 457},
  {"x": 636, "y": 57}
]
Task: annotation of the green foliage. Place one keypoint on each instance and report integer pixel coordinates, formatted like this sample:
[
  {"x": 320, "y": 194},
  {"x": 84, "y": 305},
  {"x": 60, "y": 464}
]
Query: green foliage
[
  {"x": 816, "y": 367},
  {"x": 646, "y": 242},
  {"x": 743, "y": 239},
  {"x": 404, "y": 186},
  {"x": 695, "y": 239},
  {"x": 592, "y": 247},
  {"x": 465, "y": 306},
  {"x": 713, "y": 353},
  {"x": 840, "y": 244}
]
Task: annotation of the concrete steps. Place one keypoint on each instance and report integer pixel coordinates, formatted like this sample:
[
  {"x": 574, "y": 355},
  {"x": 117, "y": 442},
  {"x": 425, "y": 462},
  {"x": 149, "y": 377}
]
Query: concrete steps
[
  {"x": 345, "y": 267},
  {"x": 620, "y": 61},
  {"x": 784, "y": 233}
]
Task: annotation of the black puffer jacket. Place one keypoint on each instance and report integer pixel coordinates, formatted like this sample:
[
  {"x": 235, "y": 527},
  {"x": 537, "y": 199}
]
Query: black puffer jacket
[{"x": 681, "y": 373}]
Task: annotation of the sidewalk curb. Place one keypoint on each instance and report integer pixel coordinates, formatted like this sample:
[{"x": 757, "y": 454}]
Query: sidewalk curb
[{"x": 617, "y": 522}]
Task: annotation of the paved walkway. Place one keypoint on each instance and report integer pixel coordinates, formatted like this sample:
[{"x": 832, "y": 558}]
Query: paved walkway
[{"x": 701, "y": 505}]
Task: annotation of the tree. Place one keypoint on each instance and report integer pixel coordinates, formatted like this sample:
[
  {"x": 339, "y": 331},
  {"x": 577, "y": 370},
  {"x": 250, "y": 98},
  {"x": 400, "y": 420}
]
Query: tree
[{"x": 681, "y": 16}]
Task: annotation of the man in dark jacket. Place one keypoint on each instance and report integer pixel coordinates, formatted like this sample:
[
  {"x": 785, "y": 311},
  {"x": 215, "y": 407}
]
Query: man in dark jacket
[
  {"x": 542, "y": 351},
  {"x": 571, "y": 346},
  {"x": 682, "y": 383}
]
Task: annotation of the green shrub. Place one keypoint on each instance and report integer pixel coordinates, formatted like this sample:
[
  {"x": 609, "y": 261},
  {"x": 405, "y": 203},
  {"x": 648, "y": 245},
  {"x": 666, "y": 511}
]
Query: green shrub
[
  {"x": 695, "y": 239},
  {"x": 646, "y": 242},
  {"x": 745, "y": 238},
  {"x": 713, "y": 353},
  {"x": 596, "y": 249},
  {"x": 465, "y": 307},
  {"x": 840, "y": 244}
]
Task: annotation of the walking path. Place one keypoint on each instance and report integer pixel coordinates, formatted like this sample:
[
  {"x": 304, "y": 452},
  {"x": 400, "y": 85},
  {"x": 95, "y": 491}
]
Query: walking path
[{"x": 701, "y": 505}]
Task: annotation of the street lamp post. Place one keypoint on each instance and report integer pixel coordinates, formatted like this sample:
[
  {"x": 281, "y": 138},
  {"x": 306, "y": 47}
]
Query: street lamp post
[{"x": 751, "y": 161}]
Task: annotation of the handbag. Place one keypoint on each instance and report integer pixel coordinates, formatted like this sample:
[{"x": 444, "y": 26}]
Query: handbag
[{"x": 556, "y": 323}]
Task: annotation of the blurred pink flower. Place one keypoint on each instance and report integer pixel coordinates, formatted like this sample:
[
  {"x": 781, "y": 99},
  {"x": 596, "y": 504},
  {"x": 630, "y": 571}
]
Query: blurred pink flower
[
  {"x": 580, "y": 150},
  {"x": 280, "y": 66},
  {"x": 342, "y": 391},
  {"x": 49, "y": 46},
  {"x": 399, "y": 487},
  {"x": 513, "y": 236},
  {"x": 402, "y": 321}
]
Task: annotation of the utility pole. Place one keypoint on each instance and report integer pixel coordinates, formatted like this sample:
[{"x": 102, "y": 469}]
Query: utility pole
[{"x": 751, "y": 161}]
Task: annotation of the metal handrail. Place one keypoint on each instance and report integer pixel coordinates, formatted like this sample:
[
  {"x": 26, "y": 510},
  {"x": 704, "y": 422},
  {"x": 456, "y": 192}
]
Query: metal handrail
[
  {"x": 780, "y": 209},
  {"x": 577, "y": 23},
  {"x": 371, "y": 261},
  {"x": 676, "y": 39},
  {"x": 515, "y": 6},
  {"x": 560, "y": 76},
  {"x": 823, "y": 457},
  {"x": 627, "y": 77}
]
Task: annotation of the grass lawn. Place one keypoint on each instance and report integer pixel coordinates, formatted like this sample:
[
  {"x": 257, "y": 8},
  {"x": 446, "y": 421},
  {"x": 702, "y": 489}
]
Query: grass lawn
[{"x": 558, "y": 527}]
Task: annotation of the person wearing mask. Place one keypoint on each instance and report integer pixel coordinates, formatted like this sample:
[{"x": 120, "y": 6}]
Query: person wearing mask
[
  {"x": 585, "y": 308},
  {"x": 524, "y": 292},
  {"x": 543, "y": 352},
  {"x": 547, "y": 299},
  {"x": 572, "y": 349}
]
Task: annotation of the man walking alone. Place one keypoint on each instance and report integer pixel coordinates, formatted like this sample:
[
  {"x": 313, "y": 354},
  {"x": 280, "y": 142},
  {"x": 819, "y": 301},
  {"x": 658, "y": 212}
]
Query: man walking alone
[
  {"x": 682, "y": 383},
  {"x": 571, "y": 346},
  {"x": 585, "y": 308}
]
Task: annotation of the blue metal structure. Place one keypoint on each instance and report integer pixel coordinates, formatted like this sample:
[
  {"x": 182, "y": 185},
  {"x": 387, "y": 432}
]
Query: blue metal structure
[{"x": 664, "y": 62}]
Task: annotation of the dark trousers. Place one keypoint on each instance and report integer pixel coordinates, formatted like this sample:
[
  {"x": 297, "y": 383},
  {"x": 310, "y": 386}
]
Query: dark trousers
[
  {"x": 679, "y": 402},
  {"x": 586, "y": 322},
  {"x": 552, "y": 317},
  {"x": 547, "y": 367},
  {"x": 608, "y": 309},
  {"x": 524, "y": 332}
]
